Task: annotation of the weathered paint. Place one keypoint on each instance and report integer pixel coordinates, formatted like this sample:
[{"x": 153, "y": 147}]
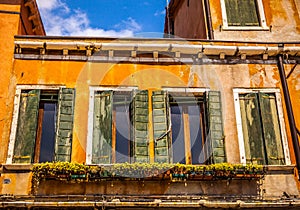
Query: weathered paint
[
  {"x": 81, "y": 75},
  {"x": 19, "y": 183},
  {"x": 282, "y": 19},
  {"x": 10, "y": 25}
]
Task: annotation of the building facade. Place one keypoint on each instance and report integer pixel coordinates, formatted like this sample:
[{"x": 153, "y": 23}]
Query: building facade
[{"x": 226, "y": 92}]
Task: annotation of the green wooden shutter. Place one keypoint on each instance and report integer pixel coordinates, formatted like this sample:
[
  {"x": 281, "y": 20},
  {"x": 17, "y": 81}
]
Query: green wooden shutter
[
  {"x": 242, "y": 12},
  {"x": 248, "y": 12},
  {"x": 102, "y": 129},
  {"x": 64, "y": 130},
  {"x": 27, "y": 125},
  {"x": 232, "y": 12},
  {"x": 140, "y": 149},
  {"x": 271, "y": 129},
  {"x": 252, "y": 128},
  {"x": 160, "y": 126},
  {"x": 215, "y": 126}
]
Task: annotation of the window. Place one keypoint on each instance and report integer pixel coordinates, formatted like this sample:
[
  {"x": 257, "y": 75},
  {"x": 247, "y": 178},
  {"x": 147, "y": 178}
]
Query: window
[
  {"x": 188, "y": 126},
  {"x": 44, "y": 121},
  {"x": 243, "y": 14},
  {"x": 260, "y": 126},
  {"x": 120, "y": 123}
]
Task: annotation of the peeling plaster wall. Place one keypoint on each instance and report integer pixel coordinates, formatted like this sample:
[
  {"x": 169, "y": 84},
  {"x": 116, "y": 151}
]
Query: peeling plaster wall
[
  {"x": 282, "y": 18},
  {"x": 81, "y": 75},
  {"x": 9, "y": 25}
]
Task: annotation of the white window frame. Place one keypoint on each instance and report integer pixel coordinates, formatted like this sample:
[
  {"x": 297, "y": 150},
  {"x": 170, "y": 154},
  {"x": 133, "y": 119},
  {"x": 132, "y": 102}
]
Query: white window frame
[
  {"x": 185, "y": 89},
  {"x": 236, "y": 93},
  {"x": 261, "y": 16},
  {"x": 89, "y": 144},
  {"x": 14, "y": 124}
]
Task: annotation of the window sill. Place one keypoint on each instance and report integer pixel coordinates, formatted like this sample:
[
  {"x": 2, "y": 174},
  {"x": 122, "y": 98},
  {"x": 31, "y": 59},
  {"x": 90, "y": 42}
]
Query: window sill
[
  {"x": 16, "y": 168},
  {"x": 245, "y": 28},
  {"x": 280, "y": 169}
]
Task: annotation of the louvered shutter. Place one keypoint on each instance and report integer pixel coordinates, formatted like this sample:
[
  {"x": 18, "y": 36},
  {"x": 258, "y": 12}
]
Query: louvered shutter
[
  {"x": 242, "y": 12},
  {"x": 102, "y": 129},
  {"x": 252, "y": 128},
  {"x": 160, "y": 126},
  {"x": 140, "y": 148},
  {"x": 64, "y": 130},
  {"x": 232, "y": 9},
  {"x": 27, "y": 125},
  {"x": 215, "y": 127},
  {"x": 271, "y": 129}
]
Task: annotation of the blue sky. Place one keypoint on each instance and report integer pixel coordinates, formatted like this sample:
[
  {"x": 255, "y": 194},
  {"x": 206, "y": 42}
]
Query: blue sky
[{"x": 103, "y": 18}]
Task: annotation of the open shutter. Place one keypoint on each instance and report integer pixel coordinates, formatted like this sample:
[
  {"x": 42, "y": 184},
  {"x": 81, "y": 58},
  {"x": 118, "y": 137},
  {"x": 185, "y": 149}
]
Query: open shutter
[
  {"x": 140, "y": 112},
  {"x": 271, "y": 129},
  {"x": 161, "y": 126},
  {"x": 64, "y": 130},
  {"x": 27, "y": 125},
  {"x": 252, "y": 128},
  {"x": 102, "y": 130},
  {"x": 215, "y": 126}
]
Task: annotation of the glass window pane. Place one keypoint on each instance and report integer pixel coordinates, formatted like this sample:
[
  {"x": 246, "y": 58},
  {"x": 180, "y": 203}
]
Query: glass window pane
[
  {"x": 48, "y": 132},
  {"x": 195, "y": 134},
  {"x": 122, "y": 133},
  {"x": 177, "y": 135}
]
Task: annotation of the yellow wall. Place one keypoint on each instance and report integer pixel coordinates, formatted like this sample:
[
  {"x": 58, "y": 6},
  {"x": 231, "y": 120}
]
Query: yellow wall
[
  {"x": 9, "y": 25},
  {"x": 81, "y": 75}
]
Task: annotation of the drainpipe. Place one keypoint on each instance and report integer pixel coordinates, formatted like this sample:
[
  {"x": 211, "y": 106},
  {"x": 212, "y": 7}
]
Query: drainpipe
[
  {"x": 289, "y": 110},
  {"x": 208, "y": 19}
]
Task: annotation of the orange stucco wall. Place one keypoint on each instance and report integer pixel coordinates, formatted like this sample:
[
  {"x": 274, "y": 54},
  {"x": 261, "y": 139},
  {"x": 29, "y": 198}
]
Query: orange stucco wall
[
  {"x": 82, "y": 75},
  {"x": 282, "y": 19},
  {"x": 9, "y": 25}
]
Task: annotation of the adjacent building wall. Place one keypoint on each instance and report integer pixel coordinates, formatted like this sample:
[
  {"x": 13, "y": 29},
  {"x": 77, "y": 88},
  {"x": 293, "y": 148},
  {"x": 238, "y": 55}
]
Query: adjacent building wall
[
  {"x": 282, "y": 17},
  {"x": 187, "y": 19}
]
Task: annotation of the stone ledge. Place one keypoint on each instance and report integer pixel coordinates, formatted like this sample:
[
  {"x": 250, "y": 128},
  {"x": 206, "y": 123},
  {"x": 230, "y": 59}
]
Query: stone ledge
[{"x": 16, "y": 168}]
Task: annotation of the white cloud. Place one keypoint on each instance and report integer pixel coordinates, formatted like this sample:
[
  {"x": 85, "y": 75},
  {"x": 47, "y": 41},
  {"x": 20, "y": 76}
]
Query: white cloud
[
  {"x": 158, "y": 13},
  {"x": 52, "y": 4},
  {"x": 60, "y": 20},
  {"x": 129, "y": 24}
]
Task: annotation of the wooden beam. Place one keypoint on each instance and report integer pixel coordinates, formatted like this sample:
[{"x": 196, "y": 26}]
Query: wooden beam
[
  {"x": 114, "y": 137},
  {"x": 150, "y": 128},
  {"x": 37, "y": 149},
  {"x": 187, "y": 141}
]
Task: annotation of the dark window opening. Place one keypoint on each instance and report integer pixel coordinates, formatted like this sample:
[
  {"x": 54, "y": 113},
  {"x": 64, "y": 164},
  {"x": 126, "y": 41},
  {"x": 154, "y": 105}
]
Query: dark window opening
[
  {"x": 121, "y": 119},
  {"x": 46, "y": 127},
  {"x": 188, "y": 128}
]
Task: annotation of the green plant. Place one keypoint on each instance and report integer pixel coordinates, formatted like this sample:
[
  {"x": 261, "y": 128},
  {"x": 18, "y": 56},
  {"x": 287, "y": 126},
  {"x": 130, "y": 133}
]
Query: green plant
[{"x": 65, "y": 171}]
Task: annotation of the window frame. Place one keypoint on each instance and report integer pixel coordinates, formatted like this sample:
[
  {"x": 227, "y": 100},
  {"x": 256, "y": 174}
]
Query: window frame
[
  {"x": 236, "y": 95},
  {"x": 92, "y": 90},
  {"x": 187, "y": 143},
  {"x": 261, "y": 16},
  {"x": 15, "y": 118}
]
